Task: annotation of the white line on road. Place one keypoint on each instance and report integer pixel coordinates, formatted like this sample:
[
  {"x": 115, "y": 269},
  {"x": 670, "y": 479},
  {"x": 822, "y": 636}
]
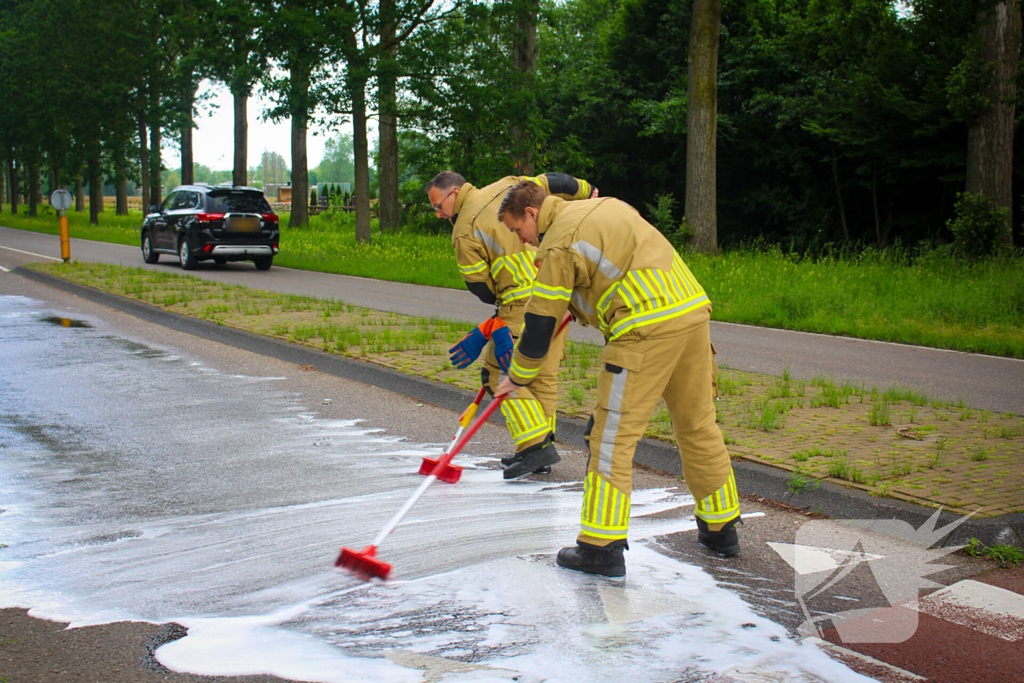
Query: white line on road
[
  {"x": 31, "y": 253},
  {"x": 6, "y": 270}
]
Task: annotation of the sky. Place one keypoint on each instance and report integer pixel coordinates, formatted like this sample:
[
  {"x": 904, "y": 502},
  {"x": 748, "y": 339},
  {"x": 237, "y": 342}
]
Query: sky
[{"x": 212, "y": 140}]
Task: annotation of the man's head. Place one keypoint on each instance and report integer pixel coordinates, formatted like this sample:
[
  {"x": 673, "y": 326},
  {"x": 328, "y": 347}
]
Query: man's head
[
  {"x": 442, "y": 190},
  {"x": 520, "y": 208}
]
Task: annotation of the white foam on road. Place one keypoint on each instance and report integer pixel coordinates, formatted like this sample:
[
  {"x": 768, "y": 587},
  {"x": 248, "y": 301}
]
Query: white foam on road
[{"x": 139, "y": 489}]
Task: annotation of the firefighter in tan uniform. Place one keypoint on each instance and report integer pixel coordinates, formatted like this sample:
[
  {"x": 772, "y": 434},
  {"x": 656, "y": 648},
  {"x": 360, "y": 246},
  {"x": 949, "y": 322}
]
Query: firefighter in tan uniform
[
  {"x": 499, "y": 270},
  {"x": 614, "y": 270}
]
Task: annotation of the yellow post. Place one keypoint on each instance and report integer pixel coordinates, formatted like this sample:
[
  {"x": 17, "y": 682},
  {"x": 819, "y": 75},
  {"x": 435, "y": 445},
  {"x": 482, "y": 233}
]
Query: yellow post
[{"x": 65, "y": 238}]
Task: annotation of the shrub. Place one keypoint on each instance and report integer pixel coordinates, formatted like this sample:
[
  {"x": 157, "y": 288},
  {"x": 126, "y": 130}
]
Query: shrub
[
  {"x": 661, "y": 218},
  {"x": 979, "y": 227},
  {"x": 312, "y": 197}
]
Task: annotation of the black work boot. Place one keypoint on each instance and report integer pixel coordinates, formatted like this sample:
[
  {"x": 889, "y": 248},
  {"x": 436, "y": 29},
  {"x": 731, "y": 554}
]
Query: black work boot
[
  {"x": 594, "y": 559},
  {"x": 532, "y": 459},
  {"x": 724, "y": 541},
  {"x": 509, "y": 459}
]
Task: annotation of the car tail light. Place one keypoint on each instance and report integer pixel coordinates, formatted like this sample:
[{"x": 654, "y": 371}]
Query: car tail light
[
  {"x": 209, "y": 217},
  {"x": 272, "y": 217}
]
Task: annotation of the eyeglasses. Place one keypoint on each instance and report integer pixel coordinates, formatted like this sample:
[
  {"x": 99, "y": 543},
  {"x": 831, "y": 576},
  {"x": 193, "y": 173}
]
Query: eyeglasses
[{"x": 437, "y": 207}]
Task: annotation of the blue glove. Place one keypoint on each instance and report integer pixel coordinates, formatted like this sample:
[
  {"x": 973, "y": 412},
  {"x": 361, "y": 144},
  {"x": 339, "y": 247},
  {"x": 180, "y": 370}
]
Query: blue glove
[
  {"x": 504, "y": 345},
  {"x": 468, "y": 350}
]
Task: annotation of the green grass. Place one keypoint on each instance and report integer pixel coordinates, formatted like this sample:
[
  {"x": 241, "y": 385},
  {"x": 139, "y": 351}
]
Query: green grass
[
  {"x": 1006, "y": 555},
  {"x": 883, "y": 295}
]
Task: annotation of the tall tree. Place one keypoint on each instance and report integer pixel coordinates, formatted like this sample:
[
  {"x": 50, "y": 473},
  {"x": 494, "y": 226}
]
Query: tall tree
[
  {"x": 231, "y": 49},
  {"x": 524, "y": 61},
  {"x": 702, "y": 125},
  {"x": 387, "y": 160},
  {"x": 990, "y": 135}
]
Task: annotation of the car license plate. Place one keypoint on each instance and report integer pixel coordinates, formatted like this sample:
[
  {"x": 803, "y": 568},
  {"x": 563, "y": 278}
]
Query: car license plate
[{"x": 244, "y": 224}]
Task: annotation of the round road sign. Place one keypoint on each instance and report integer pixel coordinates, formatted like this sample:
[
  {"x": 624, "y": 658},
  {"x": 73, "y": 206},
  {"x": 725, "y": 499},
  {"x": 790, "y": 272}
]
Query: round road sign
[{"x": 61, "y": 200}]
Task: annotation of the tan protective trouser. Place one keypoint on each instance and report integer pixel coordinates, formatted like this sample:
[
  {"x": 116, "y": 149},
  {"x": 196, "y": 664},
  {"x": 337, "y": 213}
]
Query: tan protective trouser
[
  {"x": 530, "y": 414},
  {"x": 633, "y": 376}
]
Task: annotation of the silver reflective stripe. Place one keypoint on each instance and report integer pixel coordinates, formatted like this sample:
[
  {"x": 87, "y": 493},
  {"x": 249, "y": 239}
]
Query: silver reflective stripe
[
  {"x": 489, "y": 241},
  {"x": 611, "y": 426},
  {"x": 592, "y": 253},
  {"x": 581, "y": 303}
]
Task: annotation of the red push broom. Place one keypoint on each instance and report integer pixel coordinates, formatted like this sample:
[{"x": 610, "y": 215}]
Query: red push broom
[
  {"x": 364, "y": 563},
  {"x": 451, "y": 473}
]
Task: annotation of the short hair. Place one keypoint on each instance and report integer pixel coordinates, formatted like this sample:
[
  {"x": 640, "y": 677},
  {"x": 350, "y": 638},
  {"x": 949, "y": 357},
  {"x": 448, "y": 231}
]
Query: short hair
[
  {"x": 526, "y": 193},
  {"x": 445, "y": 180}
]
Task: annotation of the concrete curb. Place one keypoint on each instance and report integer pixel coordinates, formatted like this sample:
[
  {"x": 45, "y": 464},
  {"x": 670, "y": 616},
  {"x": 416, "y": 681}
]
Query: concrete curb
[{"x": 829, "y": 499}]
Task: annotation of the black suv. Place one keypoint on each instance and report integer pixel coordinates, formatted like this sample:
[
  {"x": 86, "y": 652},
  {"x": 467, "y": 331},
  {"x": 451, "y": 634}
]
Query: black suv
[{"x": 223, "y": 223}]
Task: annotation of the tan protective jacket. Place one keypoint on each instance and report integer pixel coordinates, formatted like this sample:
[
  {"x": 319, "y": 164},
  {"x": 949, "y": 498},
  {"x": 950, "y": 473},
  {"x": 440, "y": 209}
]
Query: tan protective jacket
[
  {"x": 489, "y": 253},
  {"x": 615, "y": 271}
]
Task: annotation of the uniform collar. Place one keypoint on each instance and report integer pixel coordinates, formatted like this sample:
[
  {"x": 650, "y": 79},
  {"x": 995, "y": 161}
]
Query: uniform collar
[
  {"x": 464, "y": 191},
  {"x": 547, "y": 215}
]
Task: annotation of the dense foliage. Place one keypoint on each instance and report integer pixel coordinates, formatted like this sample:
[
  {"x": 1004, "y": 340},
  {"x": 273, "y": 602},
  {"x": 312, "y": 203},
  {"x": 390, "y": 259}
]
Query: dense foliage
[{"x": 840, "y": 121}]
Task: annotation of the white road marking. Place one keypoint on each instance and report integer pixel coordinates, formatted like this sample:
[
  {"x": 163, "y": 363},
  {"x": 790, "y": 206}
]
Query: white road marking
[
  {"x": 844, "y": 655},
  {"x": 31, "y": 253},
  {"x": 6, "y": 270},
  {"x": 808, "y": 559},
  {"x": 992, "y": 610}
]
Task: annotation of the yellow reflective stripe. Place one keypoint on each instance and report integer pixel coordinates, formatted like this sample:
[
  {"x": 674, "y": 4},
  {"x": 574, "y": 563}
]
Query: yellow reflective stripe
[
  {"x": 605, "y": 509},
  {"x": 520, "y": 267},
  {"x": 644, "y": 318},
  {"x": 535, "y": 179},
  {"x": 722, "y": 505},
  {"x": 525, "y": 419},
  {"x": 584, "y": 190},
  {"x": 519, "y": 371},
  {"x": 475, "y": 268},
  {"x": 553, "y": 293}
]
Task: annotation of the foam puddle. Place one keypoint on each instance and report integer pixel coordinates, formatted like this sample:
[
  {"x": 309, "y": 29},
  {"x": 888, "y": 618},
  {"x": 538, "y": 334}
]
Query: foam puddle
[
  {"x": 211, "y": 519},
  {"x": 518, "y": 618}
]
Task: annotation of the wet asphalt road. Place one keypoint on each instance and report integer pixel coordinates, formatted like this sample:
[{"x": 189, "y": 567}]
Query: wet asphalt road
[
  {"x": 760, "y": 576},
  {"x": 985, "y": 382}
]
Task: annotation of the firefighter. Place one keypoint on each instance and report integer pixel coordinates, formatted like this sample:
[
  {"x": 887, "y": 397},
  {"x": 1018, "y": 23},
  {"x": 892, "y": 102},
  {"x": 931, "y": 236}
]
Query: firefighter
[
  {"x": 499, "y": 270},
  {"x": 610, "y": 268}
]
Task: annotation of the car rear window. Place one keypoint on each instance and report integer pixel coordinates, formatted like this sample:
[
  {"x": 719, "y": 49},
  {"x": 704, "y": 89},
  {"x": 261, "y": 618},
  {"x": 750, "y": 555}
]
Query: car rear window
[{"x": 228, "y": 201}]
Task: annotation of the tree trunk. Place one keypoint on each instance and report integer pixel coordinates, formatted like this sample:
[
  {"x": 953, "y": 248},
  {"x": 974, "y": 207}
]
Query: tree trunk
[
  {"x": 95, "y": 188},
  {"x": 240, "y": 174},
  {"x": 879, "y": 235},
  {"x": 524, "y": 60},
  {"x": 702, "y": 125},
  {"x": 357, "y": 89},
  {"x": 188, "y": 98},
  {"x": 121, "y": 171},
  {"x": 990, "y": 138},
  {"x": 79, "y": 193},
  {"x": 389, "y": 211},
  {"x": 15, "y": 190},
  {"x": 299, "y": 75},
  {"x": 54, "y": 178},
  {"x": 839, "y": 196},
  {"x": 156, "y": 165},
  {"x": 3, "y": 182},
  {"x": 143, "y": 162},
  {"x": 33, "y": 188}
]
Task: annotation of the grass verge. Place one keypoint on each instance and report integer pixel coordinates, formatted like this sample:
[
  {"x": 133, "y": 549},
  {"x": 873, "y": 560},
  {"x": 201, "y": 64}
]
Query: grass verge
[{"x": 882, "y": 295}]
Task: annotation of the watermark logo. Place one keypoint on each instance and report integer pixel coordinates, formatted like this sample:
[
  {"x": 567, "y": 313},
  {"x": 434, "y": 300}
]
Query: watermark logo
[{"x": 826, "y": 553}]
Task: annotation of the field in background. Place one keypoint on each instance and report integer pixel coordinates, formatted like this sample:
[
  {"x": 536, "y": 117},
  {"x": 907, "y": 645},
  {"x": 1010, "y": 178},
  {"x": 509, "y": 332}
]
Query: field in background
[{"x": 885, "y": 295}]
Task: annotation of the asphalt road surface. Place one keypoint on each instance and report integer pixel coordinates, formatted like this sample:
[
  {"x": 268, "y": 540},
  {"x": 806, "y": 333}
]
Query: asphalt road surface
[
  {"x": 151, "y": 475},
  {"x": 985, "y": 382}
]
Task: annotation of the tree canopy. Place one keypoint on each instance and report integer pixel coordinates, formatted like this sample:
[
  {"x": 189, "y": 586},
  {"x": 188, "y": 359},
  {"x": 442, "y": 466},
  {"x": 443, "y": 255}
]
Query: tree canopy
[{"x": 838, "y": 121}]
